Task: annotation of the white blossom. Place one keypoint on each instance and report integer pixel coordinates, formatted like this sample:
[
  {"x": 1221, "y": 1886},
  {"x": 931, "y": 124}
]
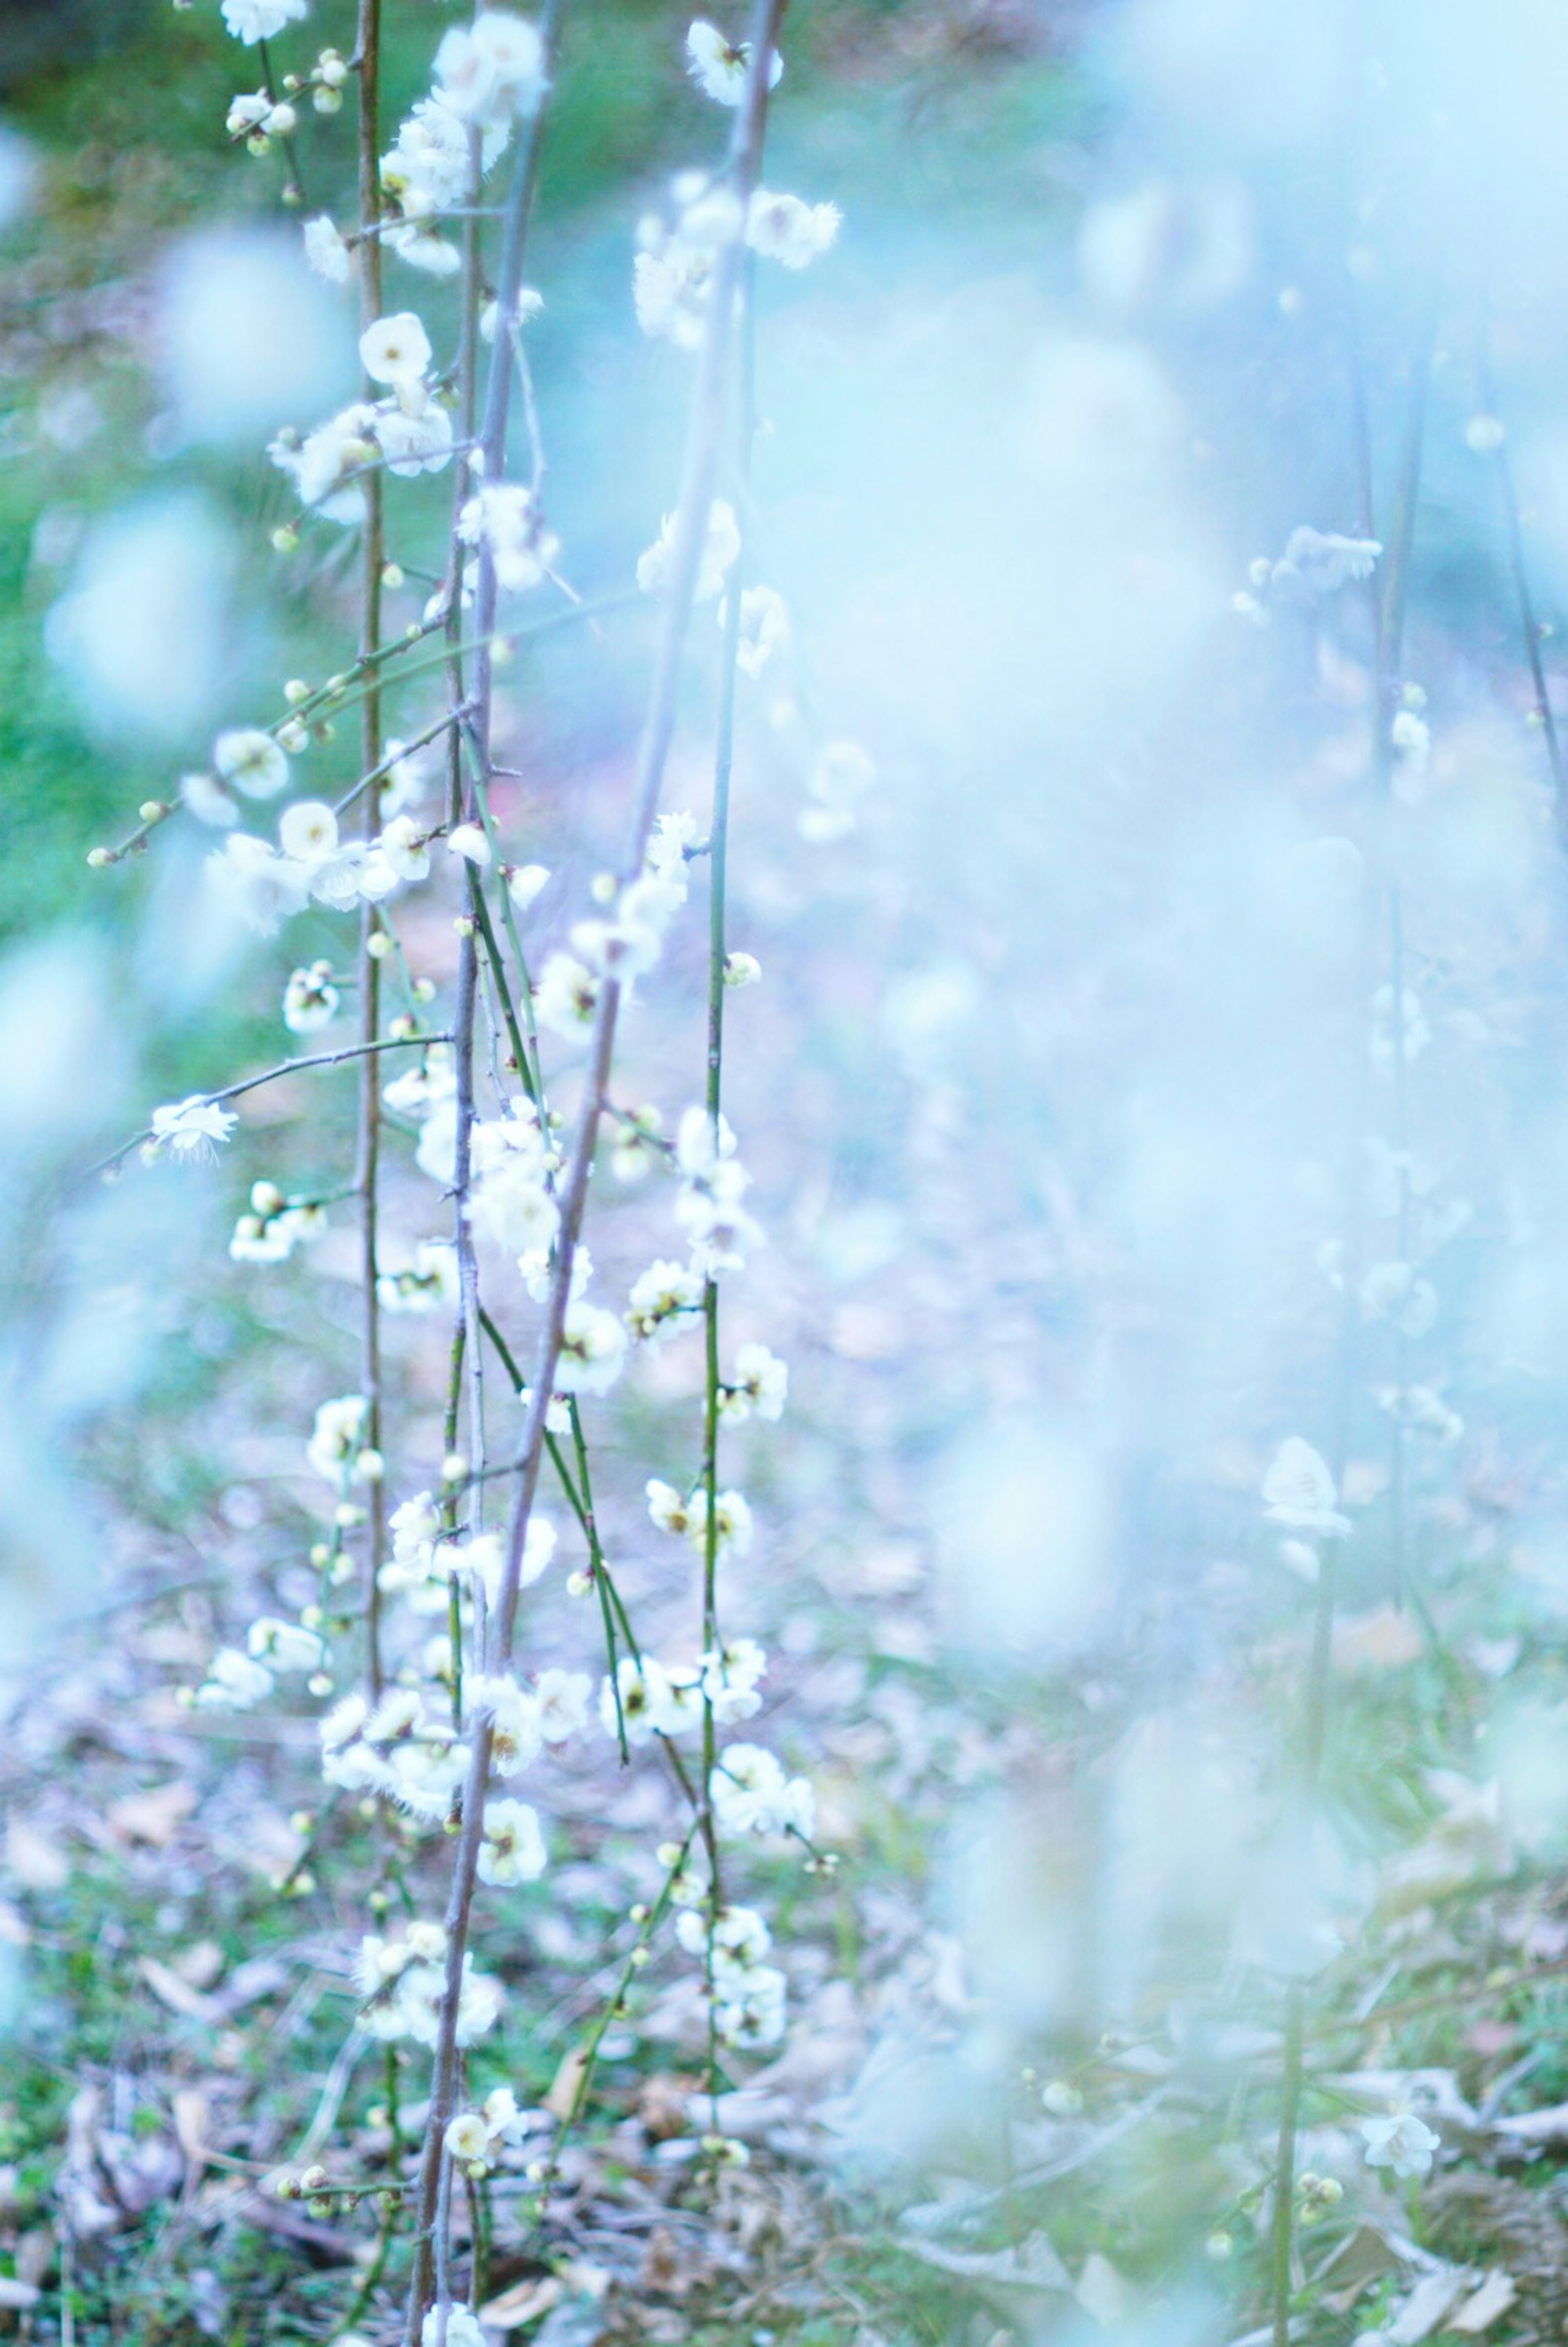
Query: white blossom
[
  {"x": 1401, "y": 2142},
  {"x": 751, "y": 1794},
  {"x": 783, "y": 228},
  {"x": 643, "y": 1687},
  {"x": 566, "y": 996},
  {"x": 310, "y": 999},
  {"x": 1321, "y": 561},
  {"x": 190, "y": 1127},
  {"x": 234, "y": 1682},
  {"x": 764, "y": 628},
  {"x": 562, "y": 1698},
  {"x": 336, "y": 1438},
  {"x": 592, "y": 1350},
  {"x": 326, "y": 251},
  {"x": 721, "y": 548},
  {"x": 718, "y": 67},
  {"x": 285, "y": 1645},
  {"x": 512, "y": 1849},
  {"x": 253, "y": 761},
  {"x": 493, "y": 69},
  {"x": 414, "y": 443},
  {"x": 260, "y": 20},
  {"x": 503, "y": 517},
  {"x": 1300, "y": 1491},
  {"x": 395, "y": 350},
  {"x": 661, "y": 1296},
  {"x": 760, "y": 1383}
]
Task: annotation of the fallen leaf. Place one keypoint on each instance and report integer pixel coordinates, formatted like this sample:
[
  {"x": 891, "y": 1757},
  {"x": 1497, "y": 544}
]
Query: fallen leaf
[
  {"x": 1428, "y": 2305},
  {"x": 1495, "y": 2296},
  {"x": 37, "y": 1862},
  {"x": 1381, "y": 1640},
  {"x": 563, "y": 2093},
  {"x": 154, "y": 1817},
  {"x": 525, "y": 2303},
  {"x": 189, "y": 2107},
  {"x": 1102, "y": 2292},
  {"x": 177, "y": 1995}
]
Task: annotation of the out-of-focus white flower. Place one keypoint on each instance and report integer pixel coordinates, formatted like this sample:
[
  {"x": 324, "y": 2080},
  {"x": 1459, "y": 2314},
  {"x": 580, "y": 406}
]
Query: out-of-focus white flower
[
  {"x": 1321, "y": 561},
  {"x": 660, "y": 1298},
  {"x": 429, "y": 1282},
  {"x": 253, "y": 761},
  {"x": 721, "y": 548},
  {"x": 260, "y": 886},
  {"x": 493, "y": 69},
  {"x": 234, "y": 1682},
  {"x": 523, "y": 884},
  {"x": 405, "y": 847},
  {"x": 413, "y": 443},
  {"x": 503, "y": 518},
  {"x": 718, "y": 67},
  {"x": 783, "y": 228},
  {"x": 395, "y": 350},
  {"x": 512, "y": 1849},
  {"x": 1401, "y": 2142},
  {"x": 1300, "y": 1491},
  {"x": 462, "y": 2329},
  {"x": 732, "y": 1675},
  {"x": 335, "y": 1440},
  {"x": 307, "y": 830},
  {"x": 190, "y": 1127},
  {"x": 764, "y": 628},
  {"x": 643, "y": 1688},
  {"x": 566, "y": 996},
  {"x": 761, "y": 1383},
  {"x": 468, "y": 841},
  {"x": 285, "y": 1645},
  {"x": 325, "y": 250},
  {"x": 260, "y": 20},
  {"x": 592, "y": 1350},
  {"x": 562, "y": 1698},
  {"x": 1420, "y": 1409},
  {"x": 208, "y": 802},
  {"x": 1416, "y": 1035},
  {"x": 1485, "y": 434},
  {"x": 751, "y": 1794},
  {"x": 1412, "y": 737}
]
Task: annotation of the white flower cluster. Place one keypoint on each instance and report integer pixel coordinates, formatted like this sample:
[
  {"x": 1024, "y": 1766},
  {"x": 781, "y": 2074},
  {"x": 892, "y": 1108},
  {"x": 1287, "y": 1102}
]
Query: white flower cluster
[
  {"x": 189, "y": 1129},
  {"x": 749, "y": 1995},
  {"x": 264, "y": 885},
  {"x": 487, "y": 74},
  {"x": 272, "y": 1229},
  {"x": 403, "y": 1982},
  {"x": 474, "y": 2137},
  {"x": 426, "y": 1558},
  {"x": 648, "y": 1698},
  {"x": 237, "y": 1680}
]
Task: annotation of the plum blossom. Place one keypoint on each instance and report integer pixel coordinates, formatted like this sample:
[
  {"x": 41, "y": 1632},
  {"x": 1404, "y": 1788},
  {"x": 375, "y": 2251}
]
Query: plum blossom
[
  {"x": 310, "y": 999},
  {"x": 1300, "y": 1491},
  {"x": 190, "y": 1127},
  {"x": 260, "y": 20},
  {"x": 1401, "y": 2142},
  {"x": 721, "y": 548},
  {"x": 782, "y": 228},
  {"x": 326, "y": 250},
  {"x": 251, "y": 761},
  {"x": 718, "y": 67}
]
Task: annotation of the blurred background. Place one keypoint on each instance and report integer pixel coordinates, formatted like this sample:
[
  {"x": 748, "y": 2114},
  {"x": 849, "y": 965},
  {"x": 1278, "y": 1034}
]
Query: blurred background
[{"x": 1068, "y": 1075}]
